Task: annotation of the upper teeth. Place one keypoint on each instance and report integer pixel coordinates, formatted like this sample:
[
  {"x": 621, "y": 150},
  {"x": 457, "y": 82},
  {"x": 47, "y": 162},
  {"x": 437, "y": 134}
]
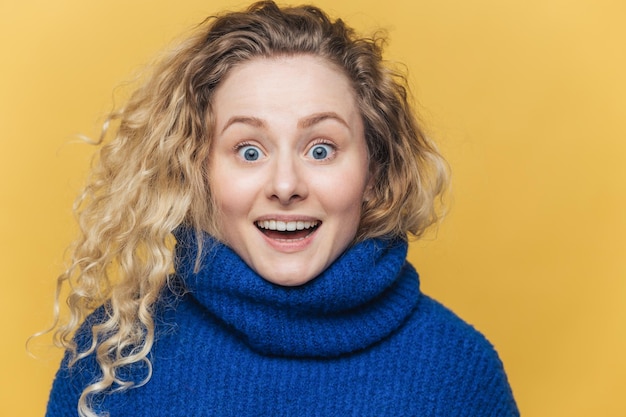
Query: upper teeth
[{"x": 285, "y": 226}]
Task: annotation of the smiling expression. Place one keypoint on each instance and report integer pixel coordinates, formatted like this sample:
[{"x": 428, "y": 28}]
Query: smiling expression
[{"x": 289, "y": 165}]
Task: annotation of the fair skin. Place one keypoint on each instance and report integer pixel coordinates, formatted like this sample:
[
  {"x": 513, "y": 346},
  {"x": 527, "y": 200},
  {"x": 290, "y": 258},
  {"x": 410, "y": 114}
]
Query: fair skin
[{"x": 289, "y": 165}]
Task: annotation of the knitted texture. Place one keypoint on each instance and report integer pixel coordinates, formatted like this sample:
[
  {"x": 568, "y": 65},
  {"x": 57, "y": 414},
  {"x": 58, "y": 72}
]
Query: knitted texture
[{"x": 359, "y": 340}]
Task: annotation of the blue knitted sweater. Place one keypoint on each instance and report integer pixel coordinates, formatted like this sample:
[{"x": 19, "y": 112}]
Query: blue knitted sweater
[{"x": 359, "y": 340}]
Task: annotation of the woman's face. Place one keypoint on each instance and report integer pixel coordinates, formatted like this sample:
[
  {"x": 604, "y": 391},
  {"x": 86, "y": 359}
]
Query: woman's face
[{"x": 289, "y": 165}]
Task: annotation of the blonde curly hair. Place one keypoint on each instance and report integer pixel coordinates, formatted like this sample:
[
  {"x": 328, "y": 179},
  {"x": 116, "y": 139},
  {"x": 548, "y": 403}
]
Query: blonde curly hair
[{"x": 151, "y": 176}]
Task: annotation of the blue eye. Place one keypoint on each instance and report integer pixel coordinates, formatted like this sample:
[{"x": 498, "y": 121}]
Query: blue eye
[
  {"x": 249, "y": 152},
  {"x": 320, "y": 151}
]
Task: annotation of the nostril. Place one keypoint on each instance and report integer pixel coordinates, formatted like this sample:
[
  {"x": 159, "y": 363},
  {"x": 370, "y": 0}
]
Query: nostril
[{"x": 288, "y": 181}]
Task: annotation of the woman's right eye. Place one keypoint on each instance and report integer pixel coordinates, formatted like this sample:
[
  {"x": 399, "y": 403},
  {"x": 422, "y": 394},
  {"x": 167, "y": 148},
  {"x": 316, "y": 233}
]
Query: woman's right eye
[{"x": 250, "y": 152}]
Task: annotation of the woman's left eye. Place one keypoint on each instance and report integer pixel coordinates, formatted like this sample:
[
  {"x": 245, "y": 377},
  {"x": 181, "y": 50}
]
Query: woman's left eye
[{"x": 321, "y": 151}]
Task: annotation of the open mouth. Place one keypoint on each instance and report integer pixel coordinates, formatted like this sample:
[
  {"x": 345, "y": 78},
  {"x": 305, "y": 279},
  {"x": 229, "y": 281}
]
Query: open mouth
[{"x": 292, "y": 230}]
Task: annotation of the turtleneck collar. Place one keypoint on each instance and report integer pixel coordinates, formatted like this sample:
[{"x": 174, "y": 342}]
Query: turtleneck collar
[{"x": 366, "y": 294}]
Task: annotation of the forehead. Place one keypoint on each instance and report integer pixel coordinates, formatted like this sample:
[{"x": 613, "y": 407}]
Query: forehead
[
  {"x": 301, "y": 83},
  {"x": 282, "y": 63}
]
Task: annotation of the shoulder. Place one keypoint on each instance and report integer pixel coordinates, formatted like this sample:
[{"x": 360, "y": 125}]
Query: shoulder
[
  {"x": 460, "y": 360},
  {"x": 439, "y": 329},
  {"x": 73, "y": 376},
  {"x": 448, "y": 328}
]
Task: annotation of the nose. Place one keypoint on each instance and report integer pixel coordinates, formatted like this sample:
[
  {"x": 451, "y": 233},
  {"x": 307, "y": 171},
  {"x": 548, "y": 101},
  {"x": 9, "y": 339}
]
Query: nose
[{"x": 287, "y": 182}]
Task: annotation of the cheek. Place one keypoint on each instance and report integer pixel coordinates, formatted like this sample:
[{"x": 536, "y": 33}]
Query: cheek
[
  {"x": 232, "y": 205},
  {"x": 344, "y": 197},
  {"x": 231, "y": 193}
]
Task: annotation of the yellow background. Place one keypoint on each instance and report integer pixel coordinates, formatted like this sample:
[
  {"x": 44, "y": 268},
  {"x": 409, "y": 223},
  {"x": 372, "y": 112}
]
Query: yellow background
[{"x": 527, "y": 99}]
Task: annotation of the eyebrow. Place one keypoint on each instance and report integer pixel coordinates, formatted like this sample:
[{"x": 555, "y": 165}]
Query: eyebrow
[
  {"x": 304, "y": 123},
  {"x": 248, "y": 120},
  {"x": 320, "y": 117}
]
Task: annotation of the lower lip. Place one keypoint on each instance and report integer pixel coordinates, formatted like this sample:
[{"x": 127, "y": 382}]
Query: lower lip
[{"x": 290, "y": 245}]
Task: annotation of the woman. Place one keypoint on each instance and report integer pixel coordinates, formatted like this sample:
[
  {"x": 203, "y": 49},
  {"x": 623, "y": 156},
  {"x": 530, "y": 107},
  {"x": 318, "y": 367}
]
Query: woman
[{"x": 284, "y": 159}]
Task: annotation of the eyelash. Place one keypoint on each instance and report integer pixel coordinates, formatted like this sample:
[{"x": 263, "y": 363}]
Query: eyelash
[{"x": 240, "y": 145}]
